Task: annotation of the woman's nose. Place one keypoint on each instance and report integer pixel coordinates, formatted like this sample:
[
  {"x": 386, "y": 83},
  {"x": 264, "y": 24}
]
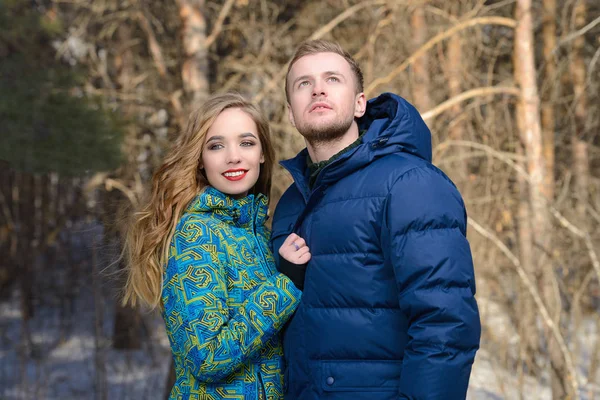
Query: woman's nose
[{"x": 233, "y": 156}]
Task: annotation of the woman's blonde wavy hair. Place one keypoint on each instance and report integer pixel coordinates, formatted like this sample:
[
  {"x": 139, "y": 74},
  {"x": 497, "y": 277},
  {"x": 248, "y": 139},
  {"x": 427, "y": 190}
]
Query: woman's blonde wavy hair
[{"x": 174, "y": 185}]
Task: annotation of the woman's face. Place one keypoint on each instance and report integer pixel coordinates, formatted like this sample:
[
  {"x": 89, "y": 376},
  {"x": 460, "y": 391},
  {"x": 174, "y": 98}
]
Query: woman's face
[{"x": 232, "y": 153}]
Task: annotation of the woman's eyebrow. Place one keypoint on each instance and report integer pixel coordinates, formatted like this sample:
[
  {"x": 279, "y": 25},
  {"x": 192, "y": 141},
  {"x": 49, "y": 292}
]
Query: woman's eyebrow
[
  {"x": 241, "y": 135},
  {"x": 215, "y": 138}
]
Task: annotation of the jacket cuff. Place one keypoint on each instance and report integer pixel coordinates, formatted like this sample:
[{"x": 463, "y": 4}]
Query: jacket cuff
[{"x": 293, "y": 271}]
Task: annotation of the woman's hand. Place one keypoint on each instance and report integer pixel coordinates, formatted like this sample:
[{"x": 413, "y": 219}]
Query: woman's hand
[{"x": 295, "y": 250}]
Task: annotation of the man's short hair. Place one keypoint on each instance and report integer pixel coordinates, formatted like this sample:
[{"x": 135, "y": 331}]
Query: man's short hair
[{"x": 311, "y": 47}]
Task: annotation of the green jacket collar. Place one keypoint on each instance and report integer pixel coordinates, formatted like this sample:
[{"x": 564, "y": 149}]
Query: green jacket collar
[{"x": 315, "y": 168}]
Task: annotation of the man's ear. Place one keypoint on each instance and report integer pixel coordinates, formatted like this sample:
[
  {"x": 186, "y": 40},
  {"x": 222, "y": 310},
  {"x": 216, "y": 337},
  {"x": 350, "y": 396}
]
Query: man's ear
[
  {"x": 360, "y": 105},
  {"x": 291, "y": 115}
]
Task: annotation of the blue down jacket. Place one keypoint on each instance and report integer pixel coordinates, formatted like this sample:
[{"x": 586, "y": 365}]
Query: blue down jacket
[{"x": 388, "y": 309}]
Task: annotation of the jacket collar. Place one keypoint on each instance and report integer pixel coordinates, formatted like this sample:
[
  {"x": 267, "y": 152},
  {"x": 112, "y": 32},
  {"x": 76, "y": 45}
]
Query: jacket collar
[
  {"x": 392, "y": 125},
  {"x": 240, "y": 212}
]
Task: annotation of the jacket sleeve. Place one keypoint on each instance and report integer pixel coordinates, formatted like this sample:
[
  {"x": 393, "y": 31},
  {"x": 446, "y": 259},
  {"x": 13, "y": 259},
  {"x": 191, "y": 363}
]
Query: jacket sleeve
[
  {"x": 424, "y": 239},
  {"x": 215, "y": 340}
]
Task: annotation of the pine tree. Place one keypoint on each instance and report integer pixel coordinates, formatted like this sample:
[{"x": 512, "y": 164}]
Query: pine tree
[{"x": 48, "y": 124}]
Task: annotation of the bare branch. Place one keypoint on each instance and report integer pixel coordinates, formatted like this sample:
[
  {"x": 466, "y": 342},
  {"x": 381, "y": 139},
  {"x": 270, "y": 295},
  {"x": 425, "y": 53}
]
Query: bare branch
[
  {"x": 175, "y": 99},
  {"x": 153, "y": 45},
  {"x": 278, "y": 78},
  {"x": 536, "y": 298},
  {"x": 557, "y": 214},
  {"x": 592, "y": 66},
  {"x": 102, "y": 179},
  {"x": 509, "y": 22},
  {"x": 577, "y": 33},
  {"x": 583, "y": 235},
  {"x": 219, "y": 24},
  {"x": 469, "y": 94}
]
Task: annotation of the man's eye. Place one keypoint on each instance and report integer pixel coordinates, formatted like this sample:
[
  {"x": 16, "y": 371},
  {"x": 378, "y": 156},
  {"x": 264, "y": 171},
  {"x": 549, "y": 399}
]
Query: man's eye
[
  {"x": 303, "y": 83},
  {"x": 333, "y": 79}
]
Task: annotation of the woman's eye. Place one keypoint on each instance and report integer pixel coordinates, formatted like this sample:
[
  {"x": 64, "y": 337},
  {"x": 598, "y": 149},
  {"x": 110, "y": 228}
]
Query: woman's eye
[
  {"x": 247, "y": 144},
  {"x": 215, "y": 146}
]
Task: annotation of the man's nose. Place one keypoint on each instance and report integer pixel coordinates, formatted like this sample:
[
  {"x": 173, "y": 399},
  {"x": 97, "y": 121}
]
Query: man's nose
[{"x": 319, "y": 90}]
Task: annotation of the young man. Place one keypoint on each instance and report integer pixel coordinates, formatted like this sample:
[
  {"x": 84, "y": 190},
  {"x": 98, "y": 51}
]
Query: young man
[{"x": 388, "y": 309}]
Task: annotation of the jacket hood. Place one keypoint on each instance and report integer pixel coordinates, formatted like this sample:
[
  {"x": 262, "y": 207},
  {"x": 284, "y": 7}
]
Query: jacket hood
[
  {"x": 236, "y": 211},
  {"x": 391, "y": 125}
]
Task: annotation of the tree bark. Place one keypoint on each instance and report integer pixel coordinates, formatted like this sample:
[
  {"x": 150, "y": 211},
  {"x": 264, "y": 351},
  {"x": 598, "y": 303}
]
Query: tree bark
[
  {"x": 7, "y": 230},
  {"x": 24, "y": 197},
  {"x": 549, "y": 97},
  {"x": 421, "y": 82},
  {"x": 127, "y": 326},
  {"x": 455, "y": 84},
  {"x": 195, "y": 69},
  {"x": 551, "y": 297},
  {"x": 581, "y": 164},
  {"x": 531, "y": 136},
  {"x": 453, "y": 68},
  {"x": 530, "y": 343}
]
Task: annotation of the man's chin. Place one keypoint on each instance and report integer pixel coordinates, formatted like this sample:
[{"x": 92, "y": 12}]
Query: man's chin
[{"x": 327, "y": 134}]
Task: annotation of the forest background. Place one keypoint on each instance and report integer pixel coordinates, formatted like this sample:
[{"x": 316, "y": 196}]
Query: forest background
[{"x": 93, "y": 93}]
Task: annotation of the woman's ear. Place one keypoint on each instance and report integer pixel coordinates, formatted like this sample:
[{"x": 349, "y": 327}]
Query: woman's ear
[{"x": 262, "y": 157}]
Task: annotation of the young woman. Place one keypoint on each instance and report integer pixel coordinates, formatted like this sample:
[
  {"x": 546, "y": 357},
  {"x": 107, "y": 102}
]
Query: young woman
[{"x": 198, "y": 250}]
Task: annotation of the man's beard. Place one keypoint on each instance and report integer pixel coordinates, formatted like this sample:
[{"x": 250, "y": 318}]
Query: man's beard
[{"x": 325, "y": 133}]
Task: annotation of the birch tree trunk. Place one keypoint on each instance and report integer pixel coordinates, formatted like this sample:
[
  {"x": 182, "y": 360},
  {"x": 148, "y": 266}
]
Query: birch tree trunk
[
  {"x": 455, "y": 84},
  {"x": 530, "y": 343},
  {"x": 531, "y": 136},
  {"x": 421, "y": 84},
  {"x": 581, "y": 164},
  {"x": 549, "y": 97},
  {"x": 453, "y": 68},
  {"x": 195, "y": 69}
]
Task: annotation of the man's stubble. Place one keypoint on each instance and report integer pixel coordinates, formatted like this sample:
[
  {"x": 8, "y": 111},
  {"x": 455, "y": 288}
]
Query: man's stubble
[{"x": 326, "y": 133}]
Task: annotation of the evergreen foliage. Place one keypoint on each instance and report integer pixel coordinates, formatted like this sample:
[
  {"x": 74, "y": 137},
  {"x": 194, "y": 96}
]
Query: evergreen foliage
[{"x": 46, "y": 121}]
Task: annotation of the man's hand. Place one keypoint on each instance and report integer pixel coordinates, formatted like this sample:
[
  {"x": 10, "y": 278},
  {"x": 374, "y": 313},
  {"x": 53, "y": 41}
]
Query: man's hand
[{"x": 295, "y": 250}]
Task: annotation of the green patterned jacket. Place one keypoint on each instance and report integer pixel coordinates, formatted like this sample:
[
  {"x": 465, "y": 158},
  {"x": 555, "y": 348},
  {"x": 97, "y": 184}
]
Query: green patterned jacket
[{"x": 224, "y": 302}]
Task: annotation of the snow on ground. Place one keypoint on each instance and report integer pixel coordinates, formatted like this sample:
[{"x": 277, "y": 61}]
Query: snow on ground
[
  {"x": 488, "y": 382},
  {"x": 60, "y": 361},
  {"x": 67, "y": 369}
]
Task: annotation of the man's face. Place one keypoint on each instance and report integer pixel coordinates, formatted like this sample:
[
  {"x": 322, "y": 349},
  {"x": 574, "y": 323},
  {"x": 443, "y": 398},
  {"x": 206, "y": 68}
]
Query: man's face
[{"x": 323, "y": 99}]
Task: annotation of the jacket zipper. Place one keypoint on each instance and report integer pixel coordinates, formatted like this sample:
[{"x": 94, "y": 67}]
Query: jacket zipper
[
  {"x": 261, "y": 390},
  {"x": 263, "y": 259}
]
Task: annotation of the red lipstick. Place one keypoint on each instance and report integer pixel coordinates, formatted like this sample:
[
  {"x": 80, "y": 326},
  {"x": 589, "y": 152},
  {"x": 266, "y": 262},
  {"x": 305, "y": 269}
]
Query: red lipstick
[{"x": 235, "y": 174}]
